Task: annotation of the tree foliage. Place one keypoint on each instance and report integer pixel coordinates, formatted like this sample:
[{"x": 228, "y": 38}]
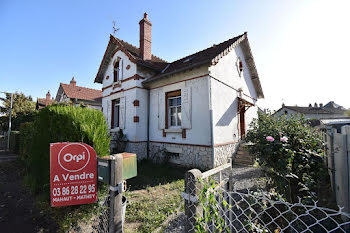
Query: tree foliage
[
  {"x": 22, "y": 104},
  {"x": 291, "y": 152}
]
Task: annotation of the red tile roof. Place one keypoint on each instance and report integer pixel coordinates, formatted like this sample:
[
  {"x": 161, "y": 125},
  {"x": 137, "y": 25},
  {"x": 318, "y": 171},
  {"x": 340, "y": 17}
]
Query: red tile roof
[
  {"x": 83, "y": 93},
  {"x": 43, "y": 102}
]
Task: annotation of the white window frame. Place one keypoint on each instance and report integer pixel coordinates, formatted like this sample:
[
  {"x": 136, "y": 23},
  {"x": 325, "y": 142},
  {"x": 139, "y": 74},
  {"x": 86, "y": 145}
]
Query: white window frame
[
  {"x": 116, "y": 109},
  {"x": 177, "y": 125}
]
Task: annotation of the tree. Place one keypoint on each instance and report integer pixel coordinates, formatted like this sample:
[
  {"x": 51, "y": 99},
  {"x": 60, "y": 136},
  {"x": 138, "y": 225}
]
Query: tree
[
  {"x": 21, "y": 104},
  {"x": 23, "y": 110}
]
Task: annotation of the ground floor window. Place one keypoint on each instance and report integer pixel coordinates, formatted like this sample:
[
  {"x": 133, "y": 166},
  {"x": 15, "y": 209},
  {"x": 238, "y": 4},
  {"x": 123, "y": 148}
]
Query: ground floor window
[
  {"x": 173, "y": 109},
  {"x": 115, "y": 113}
]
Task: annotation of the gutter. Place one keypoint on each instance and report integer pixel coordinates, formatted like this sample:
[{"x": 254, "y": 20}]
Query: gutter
[
  {"x": 148, "y": 113},
  {"x": 211, "y": 123}
]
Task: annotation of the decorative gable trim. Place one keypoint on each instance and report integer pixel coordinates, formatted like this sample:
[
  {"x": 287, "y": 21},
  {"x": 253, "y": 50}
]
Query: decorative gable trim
[
  {"x": 216, "y": 59},
  {"x": 131, "y": 58}
]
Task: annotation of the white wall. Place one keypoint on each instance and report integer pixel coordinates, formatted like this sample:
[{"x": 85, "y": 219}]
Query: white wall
[
  {"x": 225, "y": 82},
  {"x": 199, "y": 133}
]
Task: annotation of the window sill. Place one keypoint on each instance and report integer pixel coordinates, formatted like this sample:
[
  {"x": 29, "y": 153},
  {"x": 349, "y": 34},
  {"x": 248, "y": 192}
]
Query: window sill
[{"x": 176, "y": 130}]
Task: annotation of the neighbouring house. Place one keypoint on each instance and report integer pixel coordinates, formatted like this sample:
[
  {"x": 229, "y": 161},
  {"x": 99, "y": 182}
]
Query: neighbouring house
[
  {"x": 196, "y": 108},
  {"x": 44, "y": 102},
  {"x": 71, "y": 93},
  {"x": 315, "y": 112}
]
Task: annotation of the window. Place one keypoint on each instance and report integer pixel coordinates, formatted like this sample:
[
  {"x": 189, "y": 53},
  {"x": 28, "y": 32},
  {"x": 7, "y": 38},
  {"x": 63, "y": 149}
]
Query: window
[
  {"x": 115, "y": 113},
  {"x": 116, "y": 71},
  {"x": 239, "y": 66},
  {"x": 173, "y": 109}
]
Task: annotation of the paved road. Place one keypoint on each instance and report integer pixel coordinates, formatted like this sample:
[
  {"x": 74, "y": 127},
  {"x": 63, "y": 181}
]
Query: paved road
[
  {"x": 6, "y": 156},
  {"x": 17, "y": 210}
]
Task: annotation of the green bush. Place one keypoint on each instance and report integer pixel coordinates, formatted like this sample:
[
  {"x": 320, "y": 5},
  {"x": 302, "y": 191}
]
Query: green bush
[
  {"x": 14, "y": 141},
  {"x": 26, "y": 132},
  {"x": 60, "y": 123},
  {"x": 291, "y": 153}
]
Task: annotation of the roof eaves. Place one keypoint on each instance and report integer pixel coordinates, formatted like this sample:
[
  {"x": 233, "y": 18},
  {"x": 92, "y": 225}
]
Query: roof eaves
[{"x": 157, "y": 77}]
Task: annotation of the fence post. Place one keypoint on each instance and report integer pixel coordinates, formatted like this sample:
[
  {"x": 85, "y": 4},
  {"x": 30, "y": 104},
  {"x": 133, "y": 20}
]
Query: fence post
[
  {"x": 192, "y": 188},
  {"x": 346, "y": 158},
  {"x": 115, "y": 216}
]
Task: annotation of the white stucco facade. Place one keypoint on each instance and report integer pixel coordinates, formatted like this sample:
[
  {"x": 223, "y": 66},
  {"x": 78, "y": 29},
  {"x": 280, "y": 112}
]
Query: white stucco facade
[{"x": 210, "y": 125}]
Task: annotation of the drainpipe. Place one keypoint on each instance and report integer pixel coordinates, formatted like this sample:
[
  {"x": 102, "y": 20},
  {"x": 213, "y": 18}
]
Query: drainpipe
[
  {"x": 211, "y": 122},
  {"x": 148, "y": 113}
]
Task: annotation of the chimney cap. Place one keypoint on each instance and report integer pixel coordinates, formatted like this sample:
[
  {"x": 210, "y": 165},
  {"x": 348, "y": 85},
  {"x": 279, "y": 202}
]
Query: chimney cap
[{"x": 145, "y": 15}]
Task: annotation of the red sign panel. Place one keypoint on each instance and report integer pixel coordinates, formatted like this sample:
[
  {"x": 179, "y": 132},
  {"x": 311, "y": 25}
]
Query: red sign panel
[{"x": 73, "y": 174}]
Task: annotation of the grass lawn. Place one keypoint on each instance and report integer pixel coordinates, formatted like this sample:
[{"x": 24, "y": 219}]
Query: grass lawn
[{"x": 153, "y": 195}]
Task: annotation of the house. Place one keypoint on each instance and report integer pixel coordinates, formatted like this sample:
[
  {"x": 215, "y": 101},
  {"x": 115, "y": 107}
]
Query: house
[
  {"x": 77, "y": 95},
  {"x": 44, "y": 102},
  {"x": 196, "y": 108},
  {"x": 315, "y": 112}
]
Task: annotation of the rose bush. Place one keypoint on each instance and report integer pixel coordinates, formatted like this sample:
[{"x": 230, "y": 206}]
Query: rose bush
[{"x": 291, "y": 153}]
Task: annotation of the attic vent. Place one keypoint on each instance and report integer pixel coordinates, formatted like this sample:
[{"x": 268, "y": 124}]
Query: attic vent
[{"x": 188, "y": 59}]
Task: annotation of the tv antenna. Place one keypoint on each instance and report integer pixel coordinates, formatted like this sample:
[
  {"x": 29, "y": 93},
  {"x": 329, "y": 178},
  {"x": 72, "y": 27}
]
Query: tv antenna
[{"x": 115, "y": 29}]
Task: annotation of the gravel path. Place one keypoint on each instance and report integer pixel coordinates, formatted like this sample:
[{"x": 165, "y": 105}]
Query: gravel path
[{"x": 17, "y": 210}]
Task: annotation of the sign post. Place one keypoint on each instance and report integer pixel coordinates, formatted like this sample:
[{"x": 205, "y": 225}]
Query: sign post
[{"x": 73, "y": 174}]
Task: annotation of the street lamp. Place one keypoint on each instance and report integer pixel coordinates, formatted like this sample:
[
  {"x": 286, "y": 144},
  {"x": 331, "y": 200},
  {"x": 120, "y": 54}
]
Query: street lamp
[{"x": 10, "y": 112}]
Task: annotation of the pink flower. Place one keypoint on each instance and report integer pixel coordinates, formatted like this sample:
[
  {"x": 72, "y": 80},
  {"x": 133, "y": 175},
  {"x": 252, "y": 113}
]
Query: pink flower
[
  {"x": 270, "y": 139},
  {"x": 284, "y": 139}
]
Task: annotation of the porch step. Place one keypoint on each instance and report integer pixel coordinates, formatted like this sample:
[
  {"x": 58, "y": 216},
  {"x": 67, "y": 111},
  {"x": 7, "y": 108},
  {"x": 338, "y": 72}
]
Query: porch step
[{"x": 243, "y": 157}]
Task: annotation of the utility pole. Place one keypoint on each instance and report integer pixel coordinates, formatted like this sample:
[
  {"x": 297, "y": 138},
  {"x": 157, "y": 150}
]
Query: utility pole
[
  {"x": 9, "y": 131},
  {"x": 10, "y": 113}
]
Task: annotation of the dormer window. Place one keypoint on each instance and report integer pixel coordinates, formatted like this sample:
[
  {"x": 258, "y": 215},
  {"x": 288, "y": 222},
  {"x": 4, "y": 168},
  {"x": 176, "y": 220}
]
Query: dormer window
[
  {"x": 239, "y": 65},
  {"x": 116, "y": 72}
]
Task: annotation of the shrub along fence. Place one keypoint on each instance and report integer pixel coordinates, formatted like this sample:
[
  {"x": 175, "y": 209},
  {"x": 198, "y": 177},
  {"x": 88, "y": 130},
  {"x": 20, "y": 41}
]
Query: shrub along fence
[{"x": 59, "y": 123}]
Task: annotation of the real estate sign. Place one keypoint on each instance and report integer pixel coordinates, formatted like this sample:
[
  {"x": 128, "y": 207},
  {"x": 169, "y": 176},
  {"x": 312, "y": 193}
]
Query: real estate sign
[{"x": 73, "y": 174}]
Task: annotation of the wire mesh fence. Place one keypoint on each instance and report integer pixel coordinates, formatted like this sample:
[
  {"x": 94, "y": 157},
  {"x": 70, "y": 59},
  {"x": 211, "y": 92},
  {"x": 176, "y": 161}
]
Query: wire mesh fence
[
  {"x": 102, "y": 221},
  {"x": 213, "y": 208}
]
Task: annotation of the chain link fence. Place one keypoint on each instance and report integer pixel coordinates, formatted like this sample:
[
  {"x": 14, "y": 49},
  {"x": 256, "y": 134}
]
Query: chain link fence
[
  {"x": 211, "y": 207},
  {"x": 102, "y": 220}
]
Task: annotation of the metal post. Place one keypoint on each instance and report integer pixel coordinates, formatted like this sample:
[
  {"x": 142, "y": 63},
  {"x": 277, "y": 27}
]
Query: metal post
[
  {"x": 115, "y": 216},
  {"x": 9, "y": 131}
]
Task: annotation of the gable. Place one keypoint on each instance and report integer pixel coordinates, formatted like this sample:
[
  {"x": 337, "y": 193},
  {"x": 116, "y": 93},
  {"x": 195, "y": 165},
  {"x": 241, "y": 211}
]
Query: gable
[{"x": 225, "y": 69}]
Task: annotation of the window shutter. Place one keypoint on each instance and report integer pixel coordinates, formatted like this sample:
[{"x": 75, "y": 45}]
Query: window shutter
[
  {"x": 109, "y": 113},
  {"x": 122, "y": 113},
  {"x": 120, "y": 69},
  {"x": 161, "y": 109},
  {"x": 186, "y": 108}
]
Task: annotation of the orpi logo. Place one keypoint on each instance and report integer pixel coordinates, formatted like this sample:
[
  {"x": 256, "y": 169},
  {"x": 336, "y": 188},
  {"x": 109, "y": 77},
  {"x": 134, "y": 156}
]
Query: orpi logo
[{"x": 73, "y": 157}]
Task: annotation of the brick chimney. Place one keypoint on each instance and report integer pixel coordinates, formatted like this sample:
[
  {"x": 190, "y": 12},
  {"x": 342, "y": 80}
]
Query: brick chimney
[
  {"x": 48, "y": 96},
  {"x": 73, "y": 82},
  {"x": 145, "y": 38}
]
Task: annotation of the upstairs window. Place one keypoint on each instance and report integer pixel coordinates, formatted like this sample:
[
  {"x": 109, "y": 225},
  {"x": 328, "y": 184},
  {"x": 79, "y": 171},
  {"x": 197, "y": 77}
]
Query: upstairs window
[
  {"x": 174, "y": 109},
  {"x": 239, "y": 66},
  {"x": 115, "y": 113},
  {"x": 116, "y": 72}
]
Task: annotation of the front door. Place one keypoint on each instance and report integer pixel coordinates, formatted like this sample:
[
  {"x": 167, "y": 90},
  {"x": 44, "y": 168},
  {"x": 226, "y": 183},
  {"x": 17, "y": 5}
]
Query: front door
[{"x": 242, "y": 121}]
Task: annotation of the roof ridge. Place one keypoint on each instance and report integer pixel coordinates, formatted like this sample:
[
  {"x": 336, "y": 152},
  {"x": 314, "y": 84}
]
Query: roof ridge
[
  {"x": 82, "y": 87},
  {"x": 236, "y": 37},
  {"x": 123, "y": 41}
]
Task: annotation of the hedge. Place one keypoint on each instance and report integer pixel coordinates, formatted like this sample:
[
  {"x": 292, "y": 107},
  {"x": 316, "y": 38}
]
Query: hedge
[
  {"x": 60, "y": 123},
  {"x": 14, "y": 141}
]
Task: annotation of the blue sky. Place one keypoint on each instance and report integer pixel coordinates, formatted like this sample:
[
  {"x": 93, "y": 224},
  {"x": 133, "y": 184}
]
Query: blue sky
[{"x": 299, "y": 46}]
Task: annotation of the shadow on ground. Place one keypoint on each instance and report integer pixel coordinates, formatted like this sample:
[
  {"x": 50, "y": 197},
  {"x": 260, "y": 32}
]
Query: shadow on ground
[{"x": 150, "y": 175}]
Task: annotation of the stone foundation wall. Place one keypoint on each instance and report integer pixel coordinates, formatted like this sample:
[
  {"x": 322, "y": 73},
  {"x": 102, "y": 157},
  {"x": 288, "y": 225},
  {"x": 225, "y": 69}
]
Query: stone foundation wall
[
  {"x": 139, "y": 148},
  {"x": 225, "y": 152},
  {"x": 186, "y": 155}
]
